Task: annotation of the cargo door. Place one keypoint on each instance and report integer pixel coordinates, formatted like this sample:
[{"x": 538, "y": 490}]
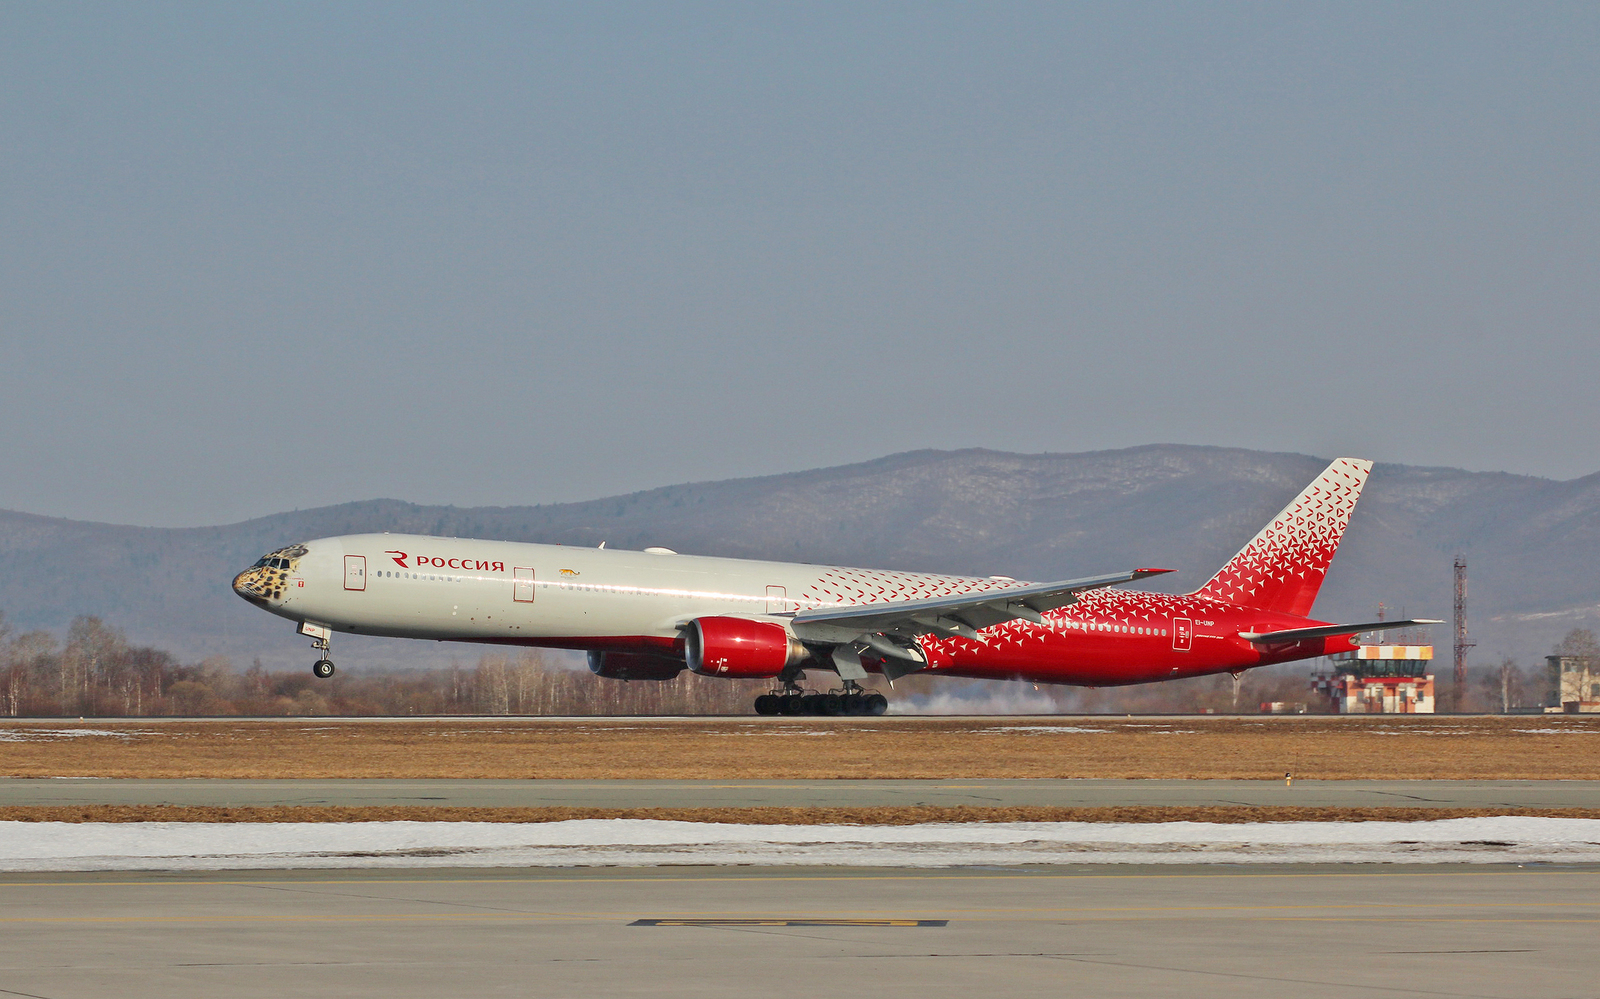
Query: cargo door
[
  {"x": 522, "y": 585},
  {"x": 355, "y": 572},
  {"x": 1182, "y": 634}
]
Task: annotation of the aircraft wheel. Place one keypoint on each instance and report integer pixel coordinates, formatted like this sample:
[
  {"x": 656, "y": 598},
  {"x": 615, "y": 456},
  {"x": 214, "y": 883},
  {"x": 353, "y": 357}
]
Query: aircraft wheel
[
  {"x": 792, "y": 704},
  {"x": 876, "y": 704},
  {"x": 853, "y": 704},
  {"x": 767, "y": 704},
  {"x": 322, "y": 669},
  {"x": 808, "y": 704},
  {"x": 830, "y": 704}
]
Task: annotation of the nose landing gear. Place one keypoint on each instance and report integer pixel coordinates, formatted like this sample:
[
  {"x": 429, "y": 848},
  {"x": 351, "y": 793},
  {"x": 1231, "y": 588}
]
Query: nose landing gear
[{"x": 321, "y": 640}]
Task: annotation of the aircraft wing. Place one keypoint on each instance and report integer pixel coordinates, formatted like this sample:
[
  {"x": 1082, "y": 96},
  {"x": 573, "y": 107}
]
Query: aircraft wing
[
  {"x": 962, "y": 615},
  {"x": 1292, "y": 635}
]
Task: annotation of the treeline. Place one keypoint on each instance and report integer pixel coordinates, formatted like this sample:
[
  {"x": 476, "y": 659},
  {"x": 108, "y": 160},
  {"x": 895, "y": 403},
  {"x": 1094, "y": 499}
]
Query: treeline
[{"x": 96, "y": 672}]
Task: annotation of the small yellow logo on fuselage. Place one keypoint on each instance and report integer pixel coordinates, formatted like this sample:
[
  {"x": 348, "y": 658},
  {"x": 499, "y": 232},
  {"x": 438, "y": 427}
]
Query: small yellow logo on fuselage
[{"x": 569, "y": 572}]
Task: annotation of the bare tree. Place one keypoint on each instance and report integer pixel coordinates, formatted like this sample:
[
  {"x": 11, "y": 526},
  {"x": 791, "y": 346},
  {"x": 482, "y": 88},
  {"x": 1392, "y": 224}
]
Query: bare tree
[{"x": 1579, "y": 642}]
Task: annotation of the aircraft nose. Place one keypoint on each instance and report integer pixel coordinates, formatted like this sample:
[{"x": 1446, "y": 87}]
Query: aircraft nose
[
  {"x": 268, "y": 579},
  {"x": 253, "y": 585}
]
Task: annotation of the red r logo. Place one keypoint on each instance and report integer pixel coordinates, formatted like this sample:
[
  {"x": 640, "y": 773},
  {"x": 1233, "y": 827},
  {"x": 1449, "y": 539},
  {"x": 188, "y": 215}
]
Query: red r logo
[{"x": 399, "y": 559}]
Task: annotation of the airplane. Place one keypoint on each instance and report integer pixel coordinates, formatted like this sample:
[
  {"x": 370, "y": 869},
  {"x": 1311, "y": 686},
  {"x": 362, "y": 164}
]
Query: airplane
[{"x": 649, "y": 615}]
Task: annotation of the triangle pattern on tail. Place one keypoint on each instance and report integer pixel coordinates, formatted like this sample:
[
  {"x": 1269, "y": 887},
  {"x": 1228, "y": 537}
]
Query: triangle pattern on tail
[{"x": 1281, "y": 569}]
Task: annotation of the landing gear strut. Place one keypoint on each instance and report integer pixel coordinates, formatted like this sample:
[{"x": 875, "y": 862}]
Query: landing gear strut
[{"x": 791, "y": 699}]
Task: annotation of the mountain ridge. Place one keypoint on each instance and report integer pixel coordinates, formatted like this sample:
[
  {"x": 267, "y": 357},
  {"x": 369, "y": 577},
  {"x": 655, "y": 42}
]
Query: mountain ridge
[{"x": 1531, "y": 542}]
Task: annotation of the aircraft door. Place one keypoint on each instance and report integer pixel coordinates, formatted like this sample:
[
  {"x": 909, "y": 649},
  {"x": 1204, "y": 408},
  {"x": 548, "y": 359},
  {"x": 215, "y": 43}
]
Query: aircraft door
[
  {"x": 1182, "y": 634},
  {"x": 777, "y": 600},
  {"x": 355, "y": 572},
  {"x": 522, "y": 585}
]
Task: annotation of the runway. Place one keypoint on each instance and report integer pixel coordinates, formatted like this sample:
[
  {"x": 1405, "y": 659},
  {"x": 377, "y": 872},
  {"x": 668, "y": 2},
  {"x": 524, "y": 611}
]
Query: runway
[
  {"x": 799, "y": 793},
  {"x": 1179, "y": 932}
]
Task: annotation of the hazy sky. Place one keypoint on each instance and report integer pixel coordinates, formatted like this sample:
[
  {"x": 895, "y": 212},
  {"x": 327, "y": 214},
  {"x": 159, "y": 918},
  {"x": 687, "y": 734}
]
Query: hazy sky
[{"x": 256, "y": 257}]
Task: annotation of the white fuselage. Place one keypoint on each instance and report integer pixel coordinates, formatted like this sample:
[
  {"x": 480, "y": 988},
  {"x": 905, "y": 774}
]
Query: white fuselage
[{"x": 411, "y": 586}]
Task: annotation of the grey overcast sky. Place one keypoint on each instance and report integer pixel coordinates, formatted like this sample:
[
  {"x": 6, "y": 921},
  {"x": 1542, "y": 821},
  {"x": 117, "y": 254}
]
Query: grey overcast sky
[{"x": 263, "y": 256}]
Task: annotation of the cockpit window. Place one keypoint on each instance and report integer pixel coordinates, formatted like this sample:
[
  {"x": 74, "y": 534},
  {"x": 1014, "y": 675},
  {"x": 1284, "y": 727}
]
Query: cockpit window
[{"x": 279, "y": 559}]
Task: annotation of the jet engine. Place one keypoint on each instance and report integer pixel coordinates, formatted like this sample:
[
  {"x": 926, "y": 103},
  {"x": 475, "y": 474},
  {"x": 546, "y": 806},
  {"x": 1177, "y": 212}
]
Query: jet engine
[
  {"x": 633, "y": 666},
  {"x": 737, "y": 648}
]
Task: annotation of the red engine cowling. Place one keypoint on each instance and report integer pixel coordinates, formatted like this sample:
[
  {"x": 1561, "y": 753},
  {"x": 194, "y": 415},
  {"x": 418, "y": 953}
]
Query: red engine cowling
[
  {"x": 633, "y": 666},
  {"x": 736, "y": 648}
]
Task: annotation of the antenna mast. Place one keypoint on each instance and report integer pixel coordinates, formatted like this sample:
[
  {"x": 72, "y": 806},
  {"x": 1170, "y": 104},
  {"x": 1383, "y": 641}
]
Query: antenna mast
[{"x": 1462, "y": 645}]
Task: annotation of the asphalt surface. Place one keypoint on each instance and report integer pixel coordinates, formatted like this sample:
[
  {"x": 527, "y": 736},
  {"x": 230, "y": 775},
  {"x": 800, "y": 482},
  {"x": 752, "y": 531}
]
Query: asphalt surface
[
  {"x": 1306, "y": 931},
  {"x": 747, "y": 793}
]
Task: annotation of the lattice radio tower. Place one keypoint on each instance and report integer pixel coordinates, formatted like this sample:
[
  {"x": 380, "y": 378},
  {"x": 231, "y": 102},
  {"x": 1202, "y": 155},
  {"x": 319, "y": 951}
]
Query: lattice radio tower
[{"x": 1462, "y": 645}]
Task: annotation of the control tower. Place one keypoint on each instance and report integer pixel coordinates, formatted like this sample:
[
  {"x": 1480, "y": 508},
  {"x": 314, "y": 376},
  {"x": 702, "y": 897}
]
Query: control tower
[{"x": 1380, "y": 680}]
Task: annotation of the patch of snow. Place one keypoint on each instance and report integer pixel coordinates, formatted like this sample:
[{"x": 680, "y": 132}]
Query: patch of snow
[
  {"x": 767, "y": 731},
  {"x": 1052, "y": 729},
  {"x": 31, "y": 734},
  {"x": 1078, "y": 729},
  {"x": 63, "y": 846}
]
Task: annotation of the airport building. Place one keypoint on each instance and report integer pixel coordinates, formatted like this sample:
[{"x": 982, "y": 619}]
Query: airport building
[
  {"x": 1380, "y": 680},
  {"x": 1577, "y": 683}
]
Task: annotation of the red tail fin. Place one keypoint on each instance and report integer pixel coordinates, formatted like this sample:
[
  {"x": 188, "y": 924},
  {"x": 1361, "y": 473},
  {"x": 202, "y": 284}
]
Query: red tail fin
[{"x": 1282, "y": 568}]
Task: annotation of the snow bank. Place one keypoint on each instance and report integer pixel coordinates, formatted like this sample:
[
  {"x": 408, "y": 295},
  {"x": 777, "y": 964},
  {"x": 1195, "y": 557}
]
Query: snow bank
[{"x": 62, "y": 846}]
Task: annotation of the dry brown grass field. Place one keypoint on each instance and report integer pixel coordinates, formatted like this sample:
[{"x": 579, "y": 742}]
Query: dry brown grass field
[{"x": 1328, "y": 748}]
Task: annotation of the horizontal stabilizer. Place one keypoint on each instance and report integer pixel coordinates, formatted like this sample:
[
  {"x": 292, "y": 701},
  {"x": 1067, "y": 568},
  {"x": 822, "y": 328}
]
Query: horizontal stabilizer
[{"x": 1293, "y": 635}]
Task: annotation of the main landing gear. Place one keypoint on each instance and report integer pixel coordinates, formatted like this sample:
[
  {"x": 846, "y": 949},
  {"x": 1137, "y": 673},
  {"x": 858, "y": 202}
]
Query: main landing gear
[{"x": 850, "y": 699}]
